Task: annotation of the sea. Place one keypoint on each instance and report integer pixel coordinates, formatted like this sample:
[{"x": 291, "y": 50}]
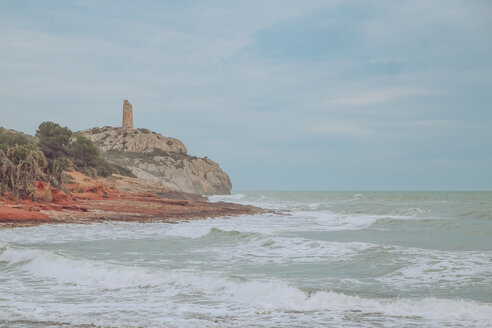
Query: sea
[{"x": 316, "y": 259}]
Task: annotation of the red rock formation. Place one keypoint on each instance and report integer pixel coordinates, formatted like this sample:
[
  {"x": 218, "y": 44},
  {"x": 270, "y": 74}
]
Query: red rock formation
[
  {"x": 118, "y": 199},
  {"x": 13, "y": 214}
]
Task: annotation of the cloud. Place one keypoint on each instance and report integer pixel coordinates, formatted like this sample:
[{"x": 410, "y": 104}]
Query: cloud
[
  {"x": 377, "y": 96},
  {"x": 313, "y": 79},
  {"x": 340, "y": 129}
]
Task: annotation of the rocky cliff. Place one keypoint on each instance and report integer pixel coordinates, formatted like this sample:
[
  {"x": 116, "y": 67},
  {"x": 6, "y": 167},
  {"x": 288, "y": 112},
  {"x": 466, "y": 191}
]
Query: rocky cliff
[{"x": 153, "y": 157}]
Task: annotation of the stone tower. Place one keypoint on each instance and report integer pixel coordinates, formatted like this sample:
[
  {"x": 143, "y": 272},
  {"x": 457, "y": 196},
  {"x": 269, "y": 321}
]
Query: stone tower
[{"x": 127, "y": 115}]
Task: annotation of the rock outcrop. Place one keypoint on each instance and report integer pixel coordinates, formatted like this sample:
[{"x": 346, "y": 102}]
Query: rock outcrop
[
  {"x": 153, "y": 157},
  {"x": 118, "y": 198}
]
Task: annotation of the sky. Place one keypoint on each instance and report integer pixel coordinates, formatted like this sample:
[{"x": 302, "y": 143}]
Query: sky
[{"x": 284, "y": 95}]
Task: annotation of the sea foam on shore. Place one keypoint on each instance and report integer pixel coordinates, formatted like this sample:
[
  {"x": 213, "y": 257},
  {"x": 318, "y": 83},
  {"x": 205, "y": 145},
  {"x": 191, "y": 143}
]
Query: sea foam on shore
[{"x": 327, "y": 259}]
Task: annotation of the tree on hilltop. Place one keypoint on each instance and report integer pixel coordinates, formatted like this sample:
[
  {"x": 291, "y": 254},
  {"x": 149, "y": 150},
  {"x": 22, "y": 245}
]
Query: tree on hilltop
[
  {"x": 10, "y": 138},
  {"x": 84, "y": 152},
  {"x": 53, "y": 139}
]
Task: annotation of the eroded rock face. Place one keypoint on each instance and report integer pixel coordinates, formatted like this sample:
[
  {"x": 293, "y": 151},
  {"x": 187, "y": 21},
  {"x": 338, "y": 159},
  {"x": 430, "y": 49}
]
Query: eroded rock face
[
  {"x": 153, "y": 157},
  {"x": 132, "y": 140}
]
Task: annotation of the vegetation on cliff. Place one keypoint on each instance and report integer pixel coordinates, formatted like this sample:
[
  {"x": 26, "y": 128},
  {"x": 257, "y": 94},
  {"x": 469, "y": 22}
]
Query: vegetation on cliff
[
  {"x": 101, "y": 152},
  {"x": 25, "y": 159},
  {"x": 9, "y": 138},
  {"x": 20, "y": 166},
  {"x": 163, "y": 160},
  {"x": 63, "y": 148}
]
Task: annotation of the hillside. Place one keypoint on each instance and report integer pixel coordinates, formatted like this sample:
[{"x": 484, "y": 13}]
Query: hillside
[
  {"x": 63, "y": 177},
  {"x": 162, "y": 160}
]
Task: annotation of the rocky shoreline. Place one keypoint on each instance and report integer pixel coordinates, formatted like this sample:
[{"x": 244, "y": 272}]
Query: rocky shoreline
[{"x": 117, "y": 198}]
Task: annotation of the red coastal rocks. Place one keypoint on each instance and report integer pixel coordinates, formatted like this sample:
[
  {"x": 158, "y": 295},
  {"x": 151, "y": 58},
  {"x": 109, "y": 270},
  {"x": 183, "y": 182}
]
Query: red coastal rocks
[
  {"x": 115, "y": 199},
  {"x": 11, "y": 214}
]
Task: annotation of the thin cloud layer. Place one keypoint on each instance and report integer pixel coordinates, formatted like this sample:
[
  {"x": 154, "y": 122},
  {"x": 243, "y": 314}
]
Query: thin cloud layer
[{"x": 329, "y": 95}]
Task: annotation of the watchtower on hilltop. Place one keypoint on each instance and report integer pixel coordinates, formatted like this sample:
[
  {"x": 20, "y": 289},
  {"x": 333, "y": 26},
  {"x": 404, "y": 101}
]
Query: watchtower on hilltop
[{"x": 127, "y": 115}]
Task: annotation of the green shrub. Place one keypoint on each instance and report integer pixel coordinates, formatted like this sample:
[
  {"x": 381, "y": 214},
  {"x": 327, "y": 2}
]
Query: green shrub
[
  {"x": 22, "y": 161},
  {"x": 118, "y": 169},
  {"x": 57, "y": 166},
  {"x": 9, "y": 138},
  {"x": 20, "y": 166},
  {"x": 84, "y": 152},
  {"x": 53, "y": 139}
]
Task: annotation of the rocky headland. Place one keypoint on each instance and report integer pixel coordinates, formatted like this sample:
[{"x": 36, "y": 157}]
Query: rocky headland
[
  {"x": 162, "y": 160},
  {"x": 162, "y": 183}
]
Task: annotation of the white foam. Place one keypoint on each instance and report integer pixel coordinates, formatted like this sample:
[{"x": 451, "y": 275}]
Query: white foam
[
  {"x": 65, "y": 270},
  {"x": 175, "y": 290},
  {"x": 262, "y": 201},
  {"x": 231, "y": 295},
  {"x": 288, "y": 221},
  {"x": 226, "y": 198},
  {"x": 262, "y": 249},
  {"x": 240, "y": 294},
  {"x": 446, "y": 269}
]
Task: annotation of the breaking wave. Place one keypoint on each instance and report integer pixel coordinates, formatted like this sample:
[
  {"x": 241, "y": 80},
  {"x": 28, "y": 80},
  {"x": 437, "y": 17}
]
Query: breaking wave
[
  {"x": 264, "y": 295},
  {"x": 323, "y": 259}
]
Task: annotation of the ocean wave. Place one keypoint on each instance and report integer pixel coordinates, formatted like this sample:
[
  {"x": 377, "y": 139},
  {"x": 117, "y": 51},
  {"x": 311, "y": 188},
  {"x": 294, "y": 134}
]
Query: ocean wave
[
  {"x": 408, "y": 212},
  {"x": 242, "y": 295},
  {"x": 423, "y": 267},
  {"x": 262, "y": 201},
  {"x": 266, "y": 224},
  {"x": 260, "y": 248},
  {"x": 66, "y": 270},
  {"x": 331, "y": 221},
  {"x": 286, "y": 221},
  {"x": 277, "y": 295},
  {"x": 306, "y": 266},
  {"x": 226, "y": 198},
  {"x": 216, "y": 233}
]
